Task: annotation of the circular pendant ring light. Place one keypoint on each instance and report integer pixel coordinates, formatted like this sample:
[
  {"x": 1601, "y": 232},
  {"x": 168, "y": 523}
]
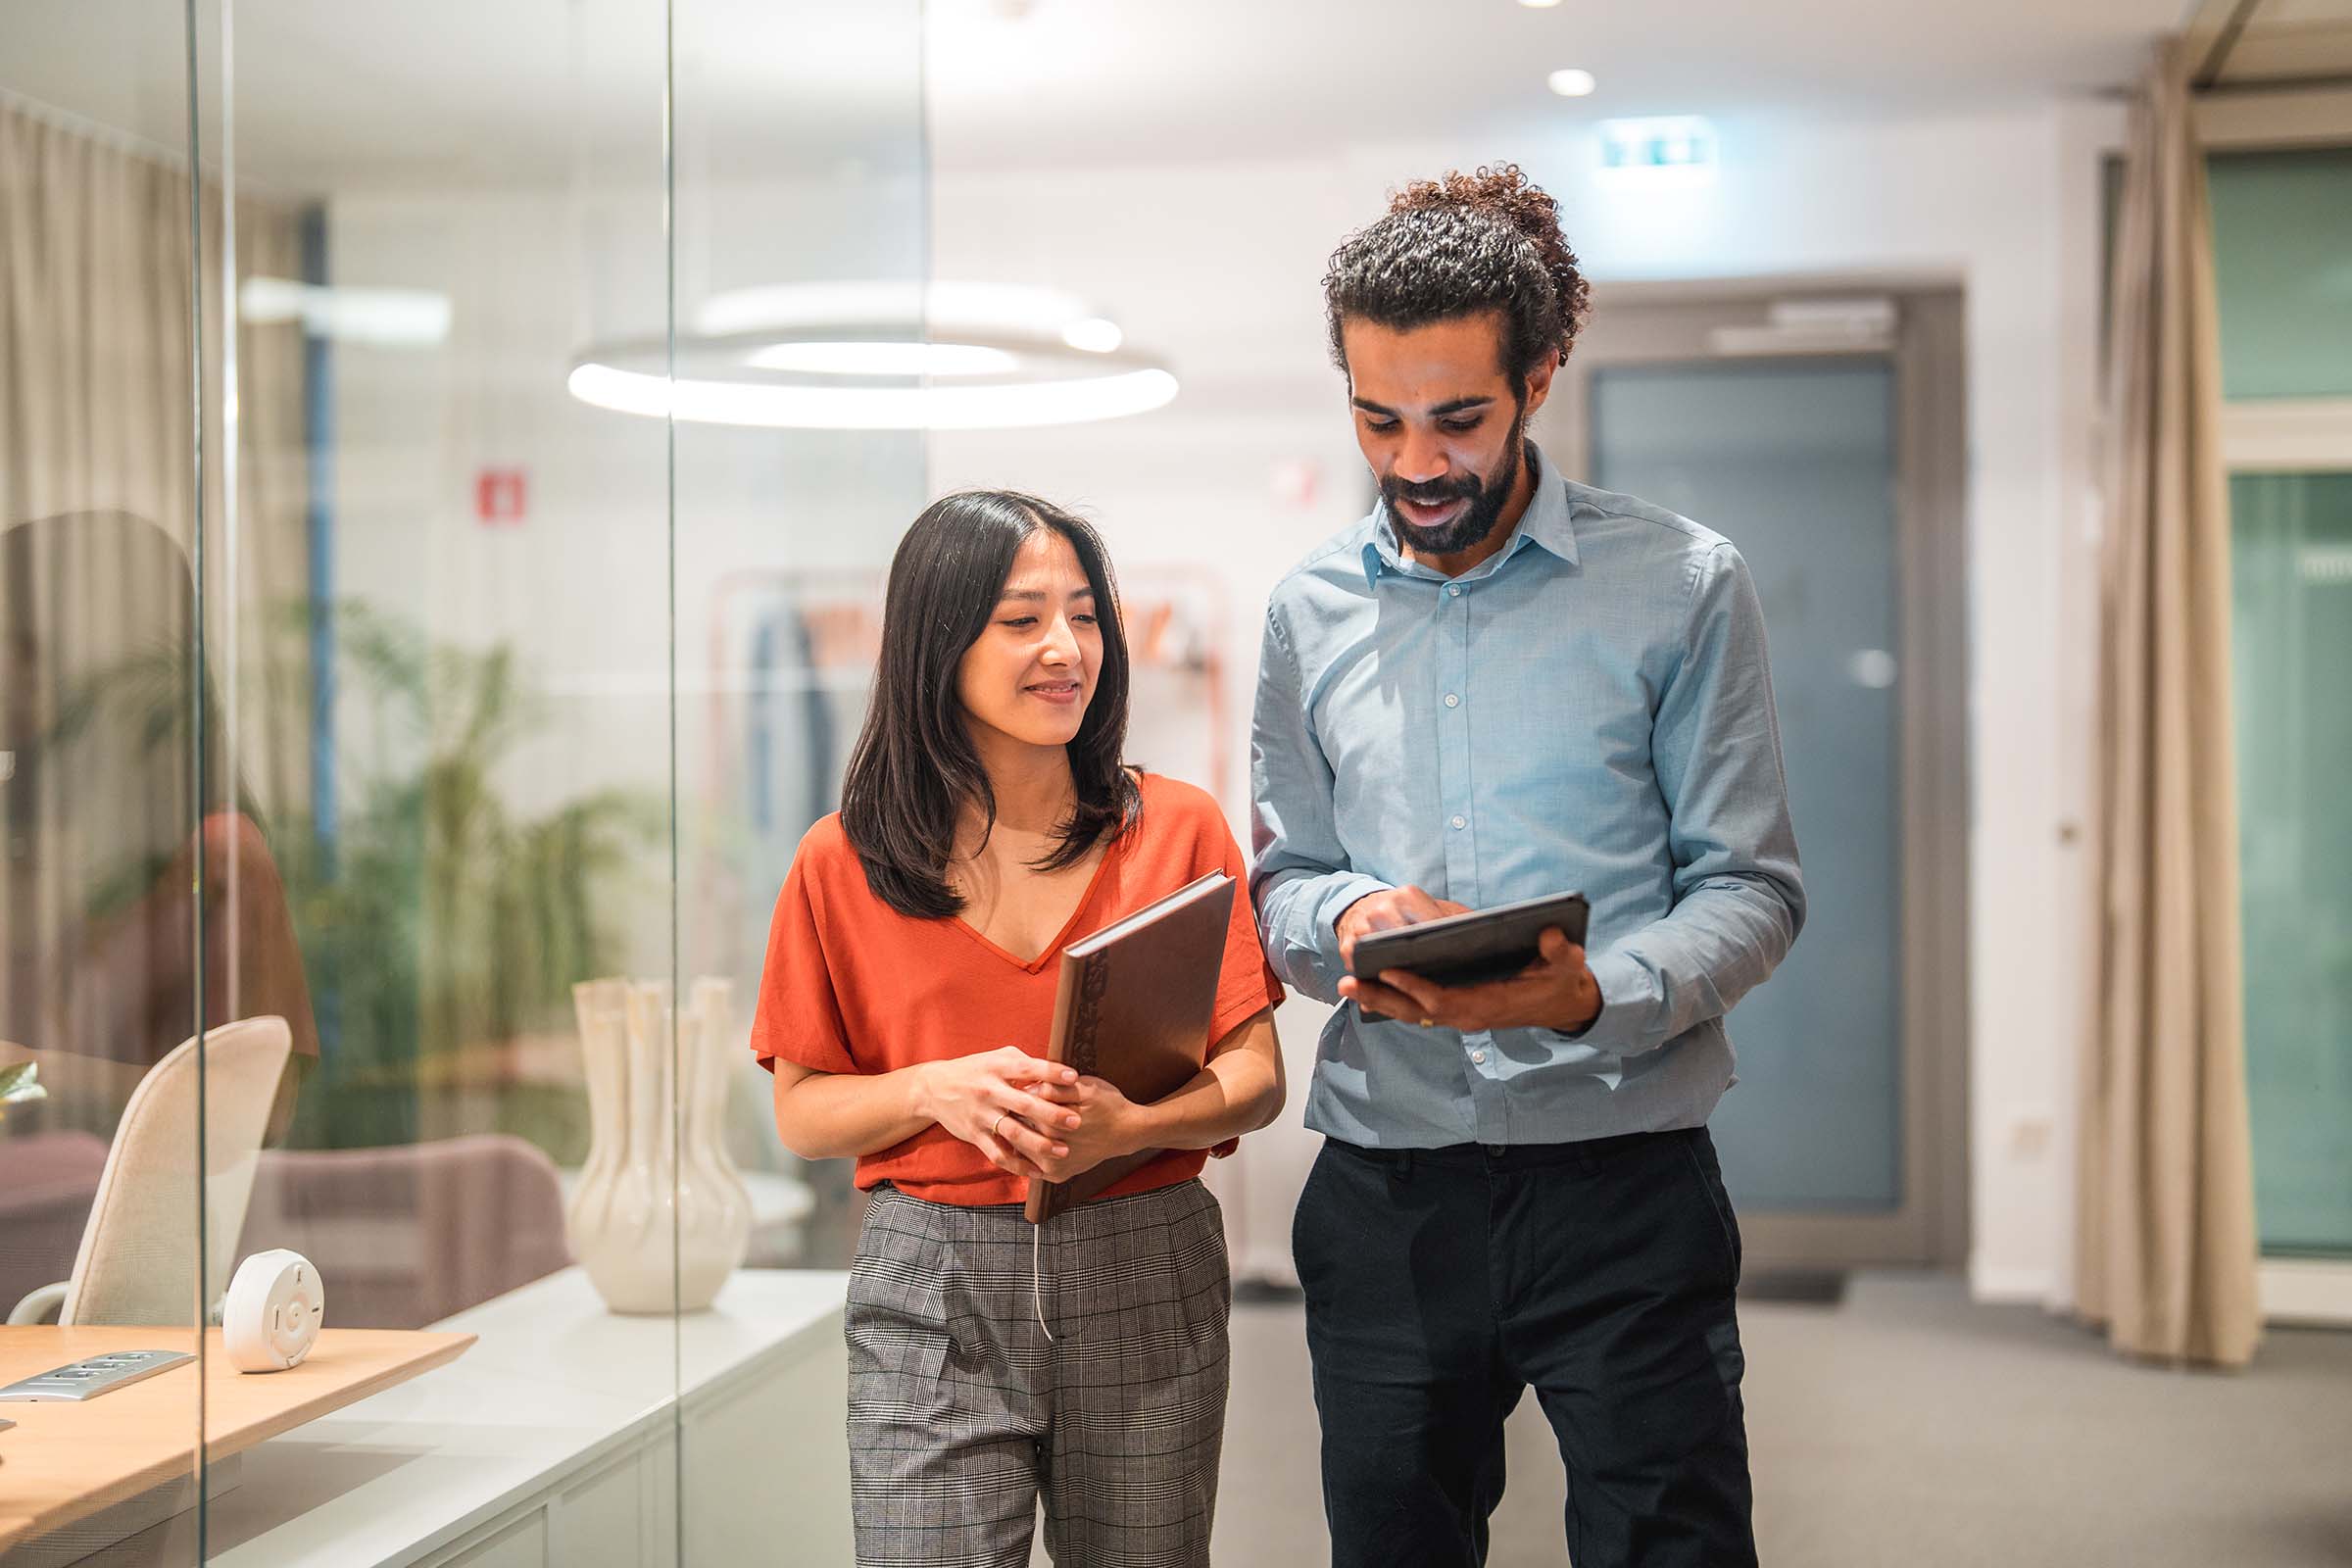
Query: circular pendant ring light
[{"x": 881, "y": 356}]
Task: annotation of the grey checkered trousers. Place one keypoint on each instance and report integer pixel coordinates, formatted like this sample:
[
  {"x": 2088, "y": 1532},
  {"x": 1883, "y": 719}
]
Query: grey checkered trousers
[{"x": 963, "y": 1413}]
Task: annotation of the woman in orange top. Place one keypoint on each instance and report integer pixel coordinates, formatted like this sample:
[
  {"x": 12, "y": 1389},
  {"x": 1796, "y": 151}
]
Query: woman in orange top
[{"x": 988, "y": 819}]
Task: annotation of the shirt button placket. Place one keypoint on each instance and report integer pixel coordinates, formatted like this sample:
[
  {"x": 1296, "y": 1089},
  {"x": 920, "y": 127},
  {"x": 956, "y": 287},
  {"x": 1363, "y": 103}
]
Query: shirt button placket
[{"x": 1453, "y": 726}]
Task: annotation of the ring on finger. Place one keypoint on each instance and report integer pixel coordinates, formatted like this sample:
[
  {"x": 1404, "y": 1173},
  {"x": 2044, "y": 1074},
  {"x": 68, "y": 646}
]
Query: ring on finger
[{"x": 996, "y": 1131}]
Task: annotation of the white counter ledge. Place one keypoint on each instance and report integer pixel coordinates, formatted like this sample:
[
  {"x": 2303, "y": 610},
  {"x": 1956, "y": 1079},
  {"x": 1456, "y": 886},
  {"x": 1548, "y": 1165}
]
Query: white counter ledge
[{"x": 551, "y": 1442}]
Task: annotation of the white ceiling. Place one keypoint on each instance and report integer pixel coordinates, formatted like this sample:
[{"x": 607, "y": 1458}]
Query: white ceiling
[
  {"x": 1057, "y": 80},
  {"x": 331, "y": 94},
  {"x": 341, "y": 94}
]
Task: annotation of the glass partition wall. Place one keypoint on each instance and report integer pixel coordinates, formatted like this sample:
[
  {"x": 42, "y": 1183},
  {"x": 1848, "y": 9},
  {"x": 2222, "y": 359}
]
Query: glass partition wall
[
  {"x": 101, "y": 770},
  {"x": 408, "y": 721}
]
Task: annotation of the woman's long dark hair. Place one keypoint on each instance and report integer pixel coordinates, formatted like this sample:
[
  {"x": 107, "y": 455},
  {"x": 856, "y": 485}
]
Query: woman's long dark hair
[{"x": 914, "y": 767}]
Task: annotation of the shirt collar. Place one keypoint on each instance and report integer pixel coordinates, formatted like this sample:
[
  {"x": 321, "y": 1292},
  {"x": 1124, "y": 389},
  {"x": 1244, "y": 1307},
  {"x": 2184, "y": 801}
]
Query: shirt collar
[{"x": 1546, "y": 523}]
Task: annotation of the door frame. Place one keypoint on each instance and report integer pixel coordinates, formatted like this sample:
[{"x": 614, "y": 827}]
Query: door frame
[{"x": 1682, "y": 322}]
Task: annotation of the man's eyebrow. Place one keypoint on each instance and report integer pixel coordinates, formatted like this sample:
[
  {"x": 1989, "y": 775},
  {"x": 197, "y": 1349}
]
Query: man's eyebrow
[{"x": 1455, "y": 406}]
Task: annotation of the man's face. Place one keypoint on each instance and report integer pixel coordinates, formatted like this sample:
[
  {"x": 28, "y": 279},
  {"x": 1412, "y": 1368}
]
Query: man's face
[{"x": 1440, "y": 425}]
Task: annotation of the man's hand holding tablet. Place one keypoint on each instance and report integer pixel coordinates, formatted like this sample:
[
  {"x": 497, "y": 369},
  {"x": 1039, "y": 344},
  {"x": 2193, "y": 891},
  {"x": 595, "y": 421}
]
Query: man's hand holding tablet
[{"x": 1544, "y": 984}]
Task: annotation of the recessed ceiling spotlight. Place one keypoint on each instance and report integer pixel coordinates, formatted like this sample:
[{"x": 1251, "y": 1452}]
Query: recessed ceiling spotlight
[
  {"x": 1572, "y": 83},
  {"x": 1539, "y": 5}
]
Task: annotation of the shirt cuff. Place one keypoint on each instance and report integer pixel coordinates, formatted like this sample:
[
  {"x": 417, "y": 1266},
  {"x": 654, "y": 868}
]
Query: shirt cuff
[
  {"x": 1628, "y": 1004},
  {"x": 1347, "y": 889}
]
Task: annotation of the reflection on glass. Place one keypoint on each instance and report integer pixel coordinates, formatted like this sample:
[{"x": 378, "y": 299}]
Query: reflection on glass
[
  {"x": 800, "y": 191},
  {"x": 116, "y": 948},
  {"x": 104, "y": 841}
]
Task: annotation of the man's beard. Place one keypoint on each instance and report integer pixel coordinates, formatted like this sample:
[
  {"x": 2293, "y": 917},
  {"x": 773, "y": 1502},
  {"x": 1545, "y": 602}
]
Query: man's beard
[{"x": 1486, "y": 501}]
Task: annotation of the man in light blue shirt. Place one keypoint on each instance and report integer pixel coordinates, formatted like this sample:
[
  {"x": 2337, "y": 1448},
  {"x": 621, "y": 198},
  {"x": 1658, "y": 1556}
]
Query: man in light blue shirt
[{"x": 1499, "y": 685}]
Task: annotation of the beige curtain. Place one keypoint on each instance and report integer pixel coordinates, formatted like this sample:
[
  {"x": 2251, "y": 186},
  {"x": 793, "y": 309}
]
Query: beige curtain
[
  {"x": 98, "y": 533},
  {"x": 96, "y": 405},
  {"x": 2166, "y": 1242}
]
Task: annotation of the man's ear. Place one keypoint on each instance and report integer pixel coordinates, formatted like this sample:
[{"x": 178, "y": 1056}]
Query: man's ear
[{"x": 1539, "y": 382}]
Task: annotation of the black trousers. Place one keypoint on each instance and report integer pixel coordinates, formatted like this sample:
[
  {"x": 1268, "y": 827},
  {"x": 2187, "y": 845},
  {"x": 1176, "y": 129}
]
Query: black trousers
[{"x": 1443, "y": 1283}]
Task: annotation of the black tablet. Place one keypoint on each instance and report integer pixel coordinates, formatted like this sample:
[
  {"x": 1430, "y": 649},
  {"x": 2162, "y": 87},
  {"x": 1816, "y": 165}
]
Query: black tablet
[{"x": 1463, "y": 950}]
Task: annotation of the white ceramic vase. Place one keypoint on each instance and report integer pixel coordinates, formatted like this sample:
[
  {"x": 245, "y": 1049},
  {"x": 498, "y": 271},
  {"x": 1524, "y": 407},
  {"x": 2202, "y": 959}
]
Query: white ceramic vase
[{"x": 660, "y": 1217}]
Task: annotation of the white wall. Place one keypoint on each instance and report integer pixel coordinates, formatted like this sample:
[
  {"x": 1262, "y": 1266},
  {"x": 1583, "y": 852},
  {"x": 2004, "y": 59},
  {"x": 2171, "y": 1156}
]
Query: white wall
[{"x": 1218, "y": 268}]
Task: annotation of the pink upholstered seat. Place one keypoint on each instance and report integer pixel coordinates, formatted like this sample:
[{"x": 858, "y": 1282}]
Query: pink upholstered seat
[
  {"x": 407, "y": 1235},
  {"x": 47, "y": 1181}
]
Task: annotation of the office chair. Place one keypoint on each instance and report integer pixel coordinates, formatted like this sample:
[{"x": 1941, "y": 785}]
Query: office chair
[{"x": 138, "y": 1256}]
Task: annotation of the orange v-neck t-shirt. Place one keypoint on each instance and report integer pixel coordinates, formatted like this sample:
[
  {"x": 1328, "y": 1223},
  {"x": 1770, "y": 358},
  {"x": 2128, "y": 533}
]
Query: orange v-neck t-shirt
[{"x": 854, "y": 986}]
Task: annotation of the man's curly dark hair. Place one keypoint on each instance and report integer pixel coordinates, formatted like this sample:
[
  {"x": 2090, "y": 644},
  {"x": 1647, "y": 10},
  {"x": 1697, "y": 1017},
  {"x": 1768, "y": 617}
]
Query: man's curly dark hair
[{"x": 1459, "y": 245}]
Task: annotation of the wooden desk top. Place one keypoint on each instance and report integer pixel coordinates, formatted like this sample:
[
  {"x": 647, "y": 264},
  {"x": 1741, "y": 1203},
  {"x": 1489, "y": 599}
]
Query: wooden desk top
[{"x": 65, "y": 1461}]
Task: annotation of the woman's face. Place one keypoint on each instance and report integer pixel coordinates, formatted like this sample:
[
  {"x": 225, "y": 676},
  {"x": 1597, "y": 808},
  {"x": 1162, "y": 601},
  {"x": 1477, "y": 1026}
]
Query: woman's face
[{"x": 1031, "y": 672}]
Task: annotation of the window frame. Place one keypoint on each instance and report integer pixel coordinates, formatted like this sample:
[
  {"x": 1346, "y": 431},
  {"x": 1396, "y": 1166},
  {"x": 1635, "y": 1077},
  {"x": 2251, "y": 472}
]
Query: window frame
[{"x": 2287, "y": 435}]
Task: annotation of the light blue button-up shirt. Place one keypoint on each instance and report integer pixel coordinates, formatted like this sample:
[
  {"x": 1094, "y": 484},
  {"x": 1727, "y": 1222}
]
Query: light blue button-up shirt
[{"x": 1589, "y": 710}]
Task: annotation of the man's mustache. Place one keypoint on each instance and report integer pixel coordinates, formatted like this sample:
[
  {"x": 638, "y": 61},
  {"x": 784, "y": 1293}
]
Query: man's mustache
[{"x": 1425, "y": 496}]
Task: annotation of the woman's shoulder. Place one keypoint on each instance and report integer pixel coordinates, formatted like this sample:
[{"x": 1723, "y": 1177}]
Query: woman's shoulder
[
  {"x": 827, "y": 874},
  {"x": 825, "y": 848},
  {"x": 1173, "y": 807}
]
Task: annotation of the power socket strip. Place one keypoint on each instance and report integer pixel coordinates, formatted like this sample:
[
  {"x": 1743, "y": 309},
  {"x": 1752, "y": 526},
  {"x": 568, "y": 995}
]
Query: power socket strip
[{"x": 99, "y": 1374}]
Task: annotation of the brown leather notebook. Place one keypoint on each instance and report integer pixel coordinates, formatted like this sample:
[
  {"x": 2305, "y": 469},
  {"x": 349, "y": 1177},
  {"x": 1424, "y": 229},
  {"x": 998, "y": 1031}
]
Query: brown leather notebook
[{"x": 1135, "y": 1005}]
